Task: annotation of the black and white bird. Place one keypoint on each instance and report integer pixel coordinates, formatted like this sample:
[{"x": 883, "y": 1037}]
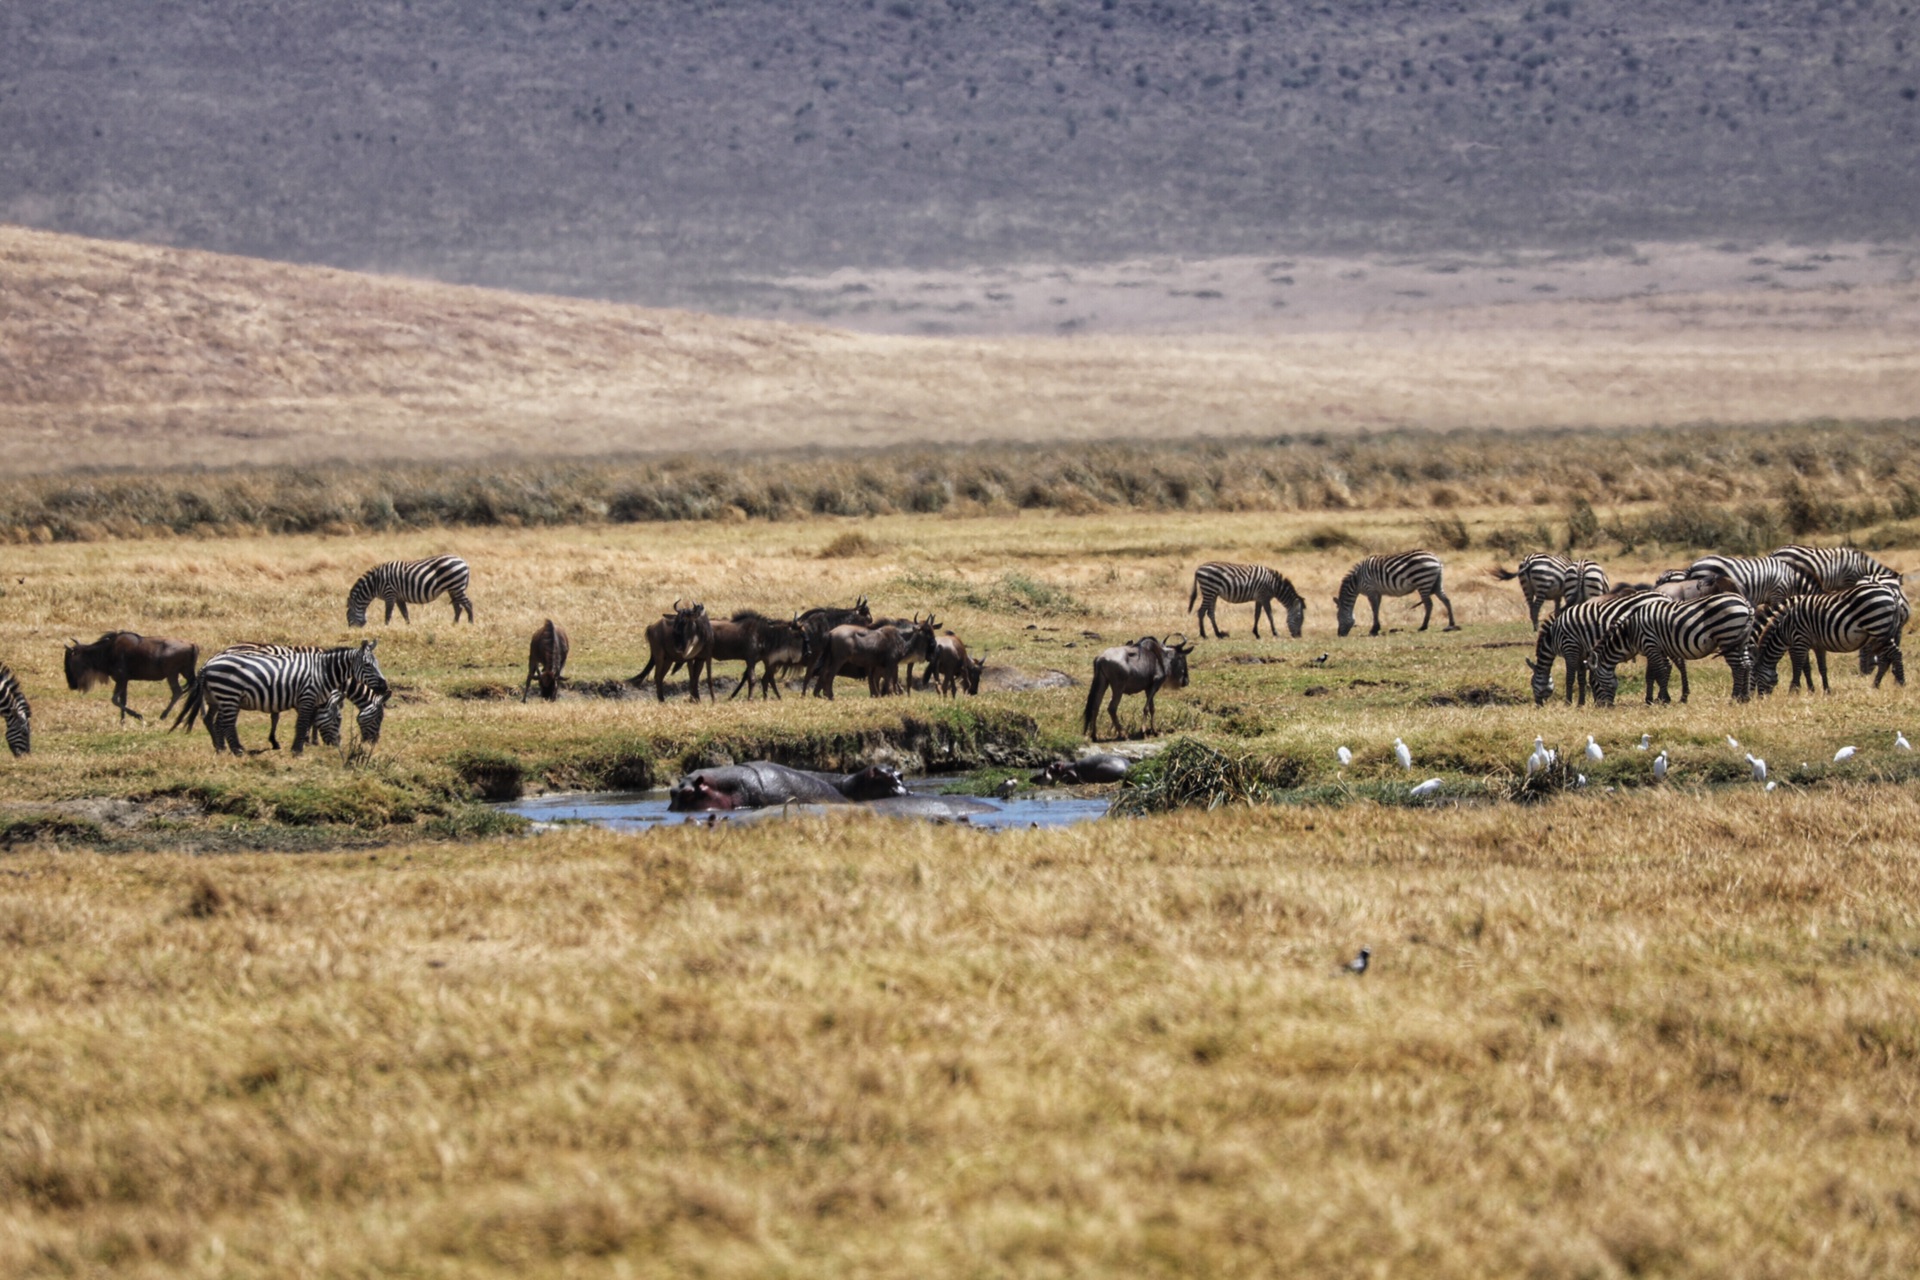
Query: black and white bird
[
  {"x": 1358, "y": 965},
  {"x": 1320, "y": 661}
]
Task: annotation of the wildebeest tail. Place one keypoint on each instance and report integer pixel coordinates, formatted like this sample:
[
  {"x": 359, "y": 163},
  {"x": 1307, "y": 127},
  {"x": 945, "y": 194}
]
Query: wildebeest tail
[{"x": 1095, "y": 688}]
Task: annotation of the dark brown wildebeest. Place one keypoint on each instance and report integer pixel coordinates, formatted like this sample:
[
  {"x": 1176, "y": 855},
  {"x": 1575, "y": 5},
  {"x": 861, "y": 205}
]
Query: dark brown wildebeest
[
  {"x": 120, "y": 656},
  {"x": 683, "y": 636},
  {"x": 546, "y": 660},
  {"x": 755, "y": 639},
  {"x": 950, "y": 669},
  {"x": 818, "y": 621},
  {"x": 876, "y": 652},
  {"x": 1140, "y": 667}
]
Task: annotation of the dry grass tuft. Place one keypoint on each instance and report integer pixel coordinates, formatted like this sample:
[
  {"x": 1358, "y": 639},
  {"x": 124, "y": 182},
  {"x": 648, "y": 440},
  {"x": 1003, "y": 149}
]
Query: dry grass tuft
[{"x": 850, "y": 545}]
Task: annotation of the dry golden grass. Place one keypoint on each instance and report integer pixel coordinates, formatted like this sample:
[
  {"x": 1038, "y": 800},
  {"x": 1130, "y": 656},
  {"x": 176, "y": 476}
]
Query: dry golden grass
[
  {"x": 1645, "y": 1032},
  {"x": 126, "y": 355}
]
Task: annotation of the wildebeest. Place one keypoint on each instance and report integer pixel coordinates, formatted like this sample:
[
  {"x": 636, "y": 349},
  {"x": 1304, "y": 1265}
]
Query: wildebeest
[
  {"x": 950, "y": 669},
  {"x": 757, "y": 640},
  {"x": 1140, "y": 667},
  {"x": 876, "y": 652},
  {"x": 683, "y": 636},
  {"x": 546, "y": 660},
  {"x": 761, "y": 783},
  {"x": 120, "y": 656},
  {"x": 820, "y": 620}
]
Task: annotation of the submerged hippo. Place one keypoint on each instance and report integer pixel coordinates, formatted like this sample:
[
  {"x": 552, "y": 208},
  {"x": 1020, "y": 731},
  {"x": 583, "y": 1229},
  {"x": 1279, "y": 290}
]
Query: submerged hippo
[
  {"x": 762, "y": 784},
  {"x": 932, "y": 808},
  {"x": 1095, "y": 768}
]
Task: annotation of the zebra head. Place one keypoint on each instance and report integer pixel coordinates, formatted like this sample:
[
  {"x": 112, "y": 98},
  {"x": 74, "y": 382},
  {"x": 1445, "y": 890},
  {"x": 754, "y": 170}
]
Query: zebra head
[
  {"x": 1343, "y": 602},
  {"x": 367, "y": 671},
  {"x": 1541, "y": 664},
  {"x": 1296, "y": 616},
  {"x": 360, "y": 597},
  {"x": 20, "y": 729}
]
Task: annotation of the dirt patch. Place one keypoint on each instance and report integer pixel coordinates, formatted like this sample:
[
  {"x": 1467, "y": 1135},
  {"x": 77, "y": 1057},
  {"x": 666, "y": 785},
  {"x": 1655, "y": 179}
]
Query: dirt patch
[
  {"x": 1476, "y": 695},
  {"x": 1014, "y": 680}
]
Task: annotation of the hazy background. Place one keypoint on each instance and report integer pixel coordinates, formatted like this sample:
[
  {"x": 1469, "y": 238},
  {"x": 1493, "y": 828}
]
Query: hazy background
[{"x": 708, "y": 154}]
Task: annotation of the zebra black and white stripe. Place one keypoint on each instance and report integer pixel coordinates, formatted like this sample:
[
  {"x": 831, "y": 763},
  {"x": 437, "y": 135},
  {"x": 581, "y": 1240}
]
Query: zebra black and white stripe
[
  {"x": 1398, "y": 575},
  {"x": 1546, "y": 577},
  {"x": 1218, "y": 580},
  {"x": 1573, "y": 633},
  {"x": 1868, "y": 616},
  {"x": 276, "y": 679},
  {"x": 1671, "y": 632},
  {"x": 372, "y": 715},
  {"x": 405, "y": 582},
  {"x": 15, "y": 713},
  {"x": 1834, "y": 568},
  {"x": 1763, "y": 580}
]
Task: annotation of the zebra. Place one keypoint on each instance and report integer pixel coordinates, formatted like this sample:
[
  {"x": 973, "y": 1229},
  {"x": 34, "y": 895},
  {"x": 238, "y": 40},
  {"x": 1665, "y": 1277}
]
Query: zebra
[
  {"x": 277, "y": 678},
  {"x": 1868, "y": 616},
  {"x": 373, "y": 712},
  {"x": 1763, "y": 580},
  {"x": 1670, "y": 632},
  {"x": 1239, "y": 583},
  {"x": 1399, "y": 575},
  {"x": 16, "y": 713},
  {"x": 405, "y": 582},
  {"x": 1834, "y": 568},
  {"x": 1544, "y": 576},
  {"x": 1572, "y": 633}
]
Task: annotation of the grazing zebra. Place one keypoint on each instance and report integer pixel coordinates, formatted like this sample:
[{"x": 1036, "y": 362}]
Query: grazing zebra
[
  {"x": 405, "y": 582},
  {"x": 277, "y": 678},
  {"x": 1670, "y": 632},
  {"x": 1400, "y": 575},
  {"x": 1868, "y": 616},
  {"x": 1239, "y": 583},
  {"x": 17, "y": 714},
  {"x": 373, "y": 713},
  {"x": 1544, "y": 576},
  {"x": 1574, "y": 632},
  {"x": 1834, "y": 568},
  {"x": 1763, "y": 580}
]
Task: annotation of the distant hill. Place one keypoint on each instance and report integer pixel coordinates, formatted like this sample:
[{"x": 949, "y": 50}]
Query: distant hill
[
  {"x": 682, "y": 152},
  {"x": 119, "y": 355}
]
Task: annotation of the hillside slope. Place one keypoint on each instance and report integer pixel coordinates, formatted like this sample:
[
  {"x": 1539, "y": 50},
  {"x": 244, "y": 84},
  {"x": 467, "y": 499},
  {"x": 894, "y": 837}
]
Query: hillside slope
[{"x": 125, "y": 355}]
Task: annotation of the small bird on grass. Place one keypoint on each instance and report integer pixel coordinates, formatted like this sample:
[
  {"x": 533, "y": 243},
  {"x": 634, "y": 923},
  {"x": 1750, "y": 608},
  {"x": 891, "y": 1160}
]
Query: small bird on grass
[
  {"x": 1402, "y": 754},
  {"x": 1321, "y": 661},
  {"x": 1772, "y": 785},
  {"x": 1660, "y": 767},
  {"x": 1593, "y": 749},
  {"x": 1646, "y": 740},
  {"x": 1344, "y": 755},
  {"x": 1844, "y": 753},
  {"x": 1358, "y": 965},
  {"x": 1426, "y": 788}
]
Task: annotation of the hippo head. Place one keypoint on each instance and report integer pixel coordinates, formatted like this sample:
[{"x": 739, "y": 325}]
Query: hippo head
[
  {"x": 702, "y": 791},
  {"x": 875, "y": 782}
]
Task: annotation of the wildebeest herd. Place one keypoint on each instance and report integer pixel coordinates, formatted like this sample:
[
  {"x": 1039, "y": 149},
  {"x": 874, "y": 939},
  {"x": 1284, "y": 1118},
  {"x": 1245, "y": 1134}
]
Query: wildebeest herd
[{"x": 1800, "y": 603}]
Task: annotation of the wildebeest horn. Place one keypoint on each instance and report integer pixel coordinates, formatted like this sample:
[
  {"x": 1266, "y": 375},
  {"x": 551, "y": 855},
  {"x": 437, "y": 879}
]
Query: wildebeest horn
[
  {"x": 676, "y": 604},
  {"x": 1171, "y": 643}
]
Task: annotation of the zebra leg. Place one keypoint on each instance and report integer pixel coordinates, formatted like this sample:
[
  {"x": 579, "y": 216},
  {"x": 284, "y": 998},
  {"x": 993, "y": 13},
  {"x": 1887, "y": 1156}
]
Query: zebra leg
[
  {"x": 1682, "y": 664},
  {"x": 228, "y": 731},
  {"x": 273, "y": 731},
  {"x": 1374, "y": 600},
  {"x": 1208, "y": 609},
  {"x": 1820, "y": 656},
  {"x": 1451, "y": 624},
  {"x": 1426, "y": 617},
  {"x": 404, "y": 615}
]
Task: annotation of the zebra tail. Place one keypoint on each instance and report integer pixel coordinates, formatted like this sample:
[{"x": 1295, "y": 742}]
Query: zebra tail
[
  {"x": 1503, "y": 573},
  {"x": 1194, "y": 594},
  {"x": 190, "y": 710}
]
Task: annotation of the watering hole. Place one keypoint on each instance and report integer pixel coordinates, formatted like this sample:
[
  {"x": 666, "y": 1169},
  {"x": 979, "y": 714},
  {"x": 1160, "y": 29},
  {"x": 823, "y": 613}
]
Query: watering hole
[{"x": 644, "y": 810}]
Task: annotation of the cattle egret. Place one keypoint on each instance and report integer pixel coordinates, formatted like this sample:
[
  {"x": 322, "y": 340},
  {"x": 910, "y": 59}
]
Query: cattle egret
[
  {"x": 1660, "y": 767},
  {"x": 1426, "y": 788},
  {"x": 1358, "y": 965},
  {"x": 1593, "y": 749},
  {"x": 1772, "y": 785},
  {"x": 1346, "y": 756},
  {"x": 1646, "y": 740},
  {"x": 1579, "y": 779},
  {"x": 1759, "y": 767},
  {"x": 1844, "y": 753},
  {"x": 1900, "y": 741},
  {"x": 1400, "y": 753},
  {"x": 1733, "y": 743},
  {"x": 1538, "y": 760}
]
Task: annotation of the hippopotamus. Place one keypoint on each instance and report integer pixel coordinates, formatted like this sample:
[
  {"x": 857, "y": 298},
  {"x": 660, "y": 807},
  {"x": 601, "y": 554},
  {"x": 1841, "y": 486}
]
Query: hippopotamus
[
  {"x": 1094, "y": 768},
  {"x": 933, "y": 808},
  {"x": 762, "y": 783}
]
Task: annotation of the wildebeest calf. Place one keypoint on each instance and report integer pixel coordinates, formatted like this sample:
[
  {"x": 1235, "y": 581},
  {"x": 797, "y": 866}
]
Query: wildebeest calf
[{"x": 546, "y": 660}]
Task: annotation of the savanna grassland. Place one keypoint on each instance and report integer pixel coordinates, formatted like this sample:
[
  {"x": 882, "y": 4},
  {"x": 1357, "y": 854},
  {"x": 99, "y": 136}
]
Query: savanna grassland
[{"x": 1628, "y": 1030}]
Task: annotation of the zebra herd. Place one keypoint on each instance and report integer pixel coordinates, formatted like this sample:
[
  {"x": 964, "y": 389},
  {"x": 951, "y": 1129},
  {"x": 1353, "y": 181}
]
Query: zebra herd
[
  {"x": 1408, "y": 573},
  {"x": 1800, "y": 602}
]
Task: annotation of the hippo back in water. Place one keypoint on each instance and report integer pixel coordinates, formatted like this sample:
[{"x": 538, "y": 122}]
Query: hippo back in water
[
  {"x": 1087, "y": 769},
  {"x": 761, "y": 784}
]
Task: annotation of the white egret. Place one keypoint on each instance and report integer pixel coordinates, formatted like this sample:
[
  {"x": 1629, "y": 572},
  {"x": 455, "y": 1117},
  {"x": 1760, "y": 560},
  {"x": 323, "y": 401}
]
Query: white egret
[
  {"x": 1660, "y": 767},
  {"x": 1772, "y": 785},
  {"x": 1579, "y": 779},
  {"x": 1400, "y": 753},
  {"x": 1346, "y": 756},
  {"x": 1900, "y": 741},
  {"x": 1593, "y": 749},
  {"x": 1426, "y": 788},
  {"x": 1646, "y": 740},
  {"x": 1844, "y": 753},
  {"x": 1733, "y": 743},
  {"x": 1759, "y": 767}
]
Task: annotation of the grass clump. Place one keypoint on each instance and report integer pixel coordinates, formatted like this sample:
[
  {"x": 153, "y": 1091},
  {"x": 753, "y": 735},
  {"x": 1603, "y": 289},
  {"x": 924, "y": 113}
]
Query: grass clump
[
  {"x": 850, "y": 545},
  {"x": 1189, "y": 774}
]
